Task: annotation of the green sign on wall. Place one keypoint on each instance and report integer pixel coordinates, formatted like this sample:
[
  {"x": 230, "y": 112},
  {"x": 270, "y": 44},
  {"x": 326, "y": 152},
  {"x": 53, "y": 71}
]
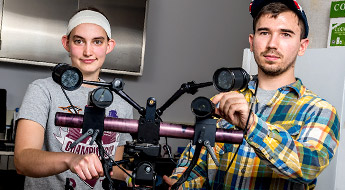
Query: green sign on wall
[
  {"x": 338, "y": 35},
  {"x": 337, "y": 9}
]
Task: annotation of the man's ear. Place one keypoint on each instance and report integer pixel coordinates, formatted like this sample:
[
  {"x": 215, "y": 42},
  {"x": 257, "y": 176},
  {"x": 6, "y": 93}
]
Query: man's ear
[
  {"x": 111, "y": 45},
  {"x": 65, "y": 42},
  {"x": 303, "y": 46},
  {"x": 251, "y": 38}
]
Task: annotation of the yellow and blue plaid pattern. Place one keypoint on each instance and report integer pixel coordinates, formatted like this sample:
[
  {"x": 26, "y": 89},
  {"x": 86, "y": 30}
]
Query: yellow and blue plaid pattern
[{"x": 293, "y": 139}]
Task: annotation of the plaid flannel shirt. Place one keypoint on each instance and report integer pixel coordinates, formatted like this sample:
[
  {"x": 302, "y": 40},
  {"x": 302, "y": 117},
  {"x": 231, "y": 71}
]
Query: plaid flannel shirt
[{"x": 293, "y": 138}]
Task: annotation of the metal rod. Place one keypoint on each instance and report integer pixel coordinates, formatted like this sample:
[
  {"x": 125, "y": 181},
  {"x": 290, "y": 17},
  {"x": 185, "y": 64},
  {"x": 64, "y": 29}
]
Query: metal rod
[{"x": 131, "y": 126}]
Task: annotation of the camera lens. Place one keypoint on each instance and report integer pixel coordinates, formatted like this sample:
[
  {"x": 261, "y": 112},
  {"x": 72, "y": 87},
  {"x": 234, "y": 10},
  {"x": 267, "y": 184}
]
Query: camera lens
[
  {"x": 101, "y": 97},
  {"x": 202, "y": 107},
  {"x": 225, "y": 79},
  {"x": 228, "y": 79},
  {"x": 70, "y": 78}
]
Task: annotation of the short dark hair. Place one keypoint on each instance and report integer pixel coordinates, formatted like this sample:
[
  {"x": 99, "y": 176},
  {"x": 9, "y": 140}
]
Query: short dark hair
[{"x": 274, "y": 9}]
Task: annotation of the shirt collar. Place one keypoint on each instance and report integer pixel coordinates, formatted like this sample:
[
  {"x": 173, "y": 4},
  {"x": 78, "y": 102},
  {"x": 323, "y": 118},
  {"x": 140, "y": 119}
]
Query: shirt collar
[{"x": 296, "y": 87}]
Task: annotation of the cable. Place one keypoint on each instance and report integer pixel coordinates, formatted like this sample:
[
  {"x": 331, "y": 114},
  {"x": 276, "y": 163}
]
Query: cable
[
  {"x": 166, "y": 147},
  {"x": 188, "y": 160},
  {"x": 232, "y": 160},
  {"x": 252, "y": 101},
  {"x": 112, "y": 160},
  {"x": 70, "y": 103},
  {"x": 187, "y": 172}
]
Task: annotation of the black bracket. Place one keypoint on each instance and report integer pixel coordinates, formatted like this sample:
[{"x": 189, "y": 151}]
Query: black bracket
[
  {"x": 205, "y": 130},
  {"x": 94, "y": 119},
  {"x": 148, "y": 129}
]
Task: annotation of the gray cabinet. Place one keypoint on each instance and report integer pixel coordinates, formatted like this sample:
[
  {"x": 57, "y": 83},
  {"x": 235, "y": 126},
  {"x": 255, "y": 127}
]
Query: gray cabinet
[{"x": 31, "y": 32}]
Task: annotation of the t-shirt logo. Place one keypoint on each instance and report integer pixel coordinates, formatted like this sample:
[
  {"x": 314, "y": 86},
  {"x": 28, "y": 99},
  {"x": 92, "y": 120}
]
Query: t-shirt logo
[
  {"x": 68, "y": 135},
  {"x": 71, "y": 109}
]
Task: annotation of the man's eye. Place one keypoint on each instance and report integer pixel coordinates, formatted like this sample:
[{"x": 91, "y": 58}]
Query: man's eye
[
  {"x": 78, "y": 41},
  {"x": 98, "y": 42},
  {"x": 286, "y": 35},
  {"x": 264, "y": 33}
]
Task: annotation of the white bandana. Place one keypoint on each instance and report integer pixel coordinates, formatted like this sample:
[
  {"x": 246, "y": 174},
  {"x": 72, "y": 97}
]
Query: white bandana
[{"x": 88, "y": 16}]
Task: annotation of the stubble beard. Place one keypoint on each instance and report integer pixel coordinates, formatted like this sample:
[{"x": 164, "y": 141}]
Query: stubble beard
[
  {"x": 275, "y": 71},
  {"x": 269, "y": 68}
]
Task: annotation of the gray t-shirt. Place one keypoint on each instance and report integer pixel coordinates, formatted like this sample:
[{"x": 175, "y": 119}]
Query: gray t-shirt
[
  {"x": 264, "y": 96},
  {"x": 41, "y": 102}
]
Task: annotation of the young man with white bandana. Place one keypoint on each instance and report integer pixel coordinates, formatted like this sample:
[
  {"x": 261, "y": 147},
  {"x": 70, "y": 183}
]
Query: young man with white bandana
[
  {"x": 292, "y": 133},
  {"x": 42, "y": 150}
]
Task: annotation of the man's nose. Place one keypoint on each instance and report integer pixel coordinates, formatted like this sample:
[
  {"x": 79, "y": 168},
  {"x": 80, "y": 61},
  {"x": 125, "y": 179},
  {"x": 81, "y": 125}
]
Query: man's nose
[{"x": 273, "y": 42}]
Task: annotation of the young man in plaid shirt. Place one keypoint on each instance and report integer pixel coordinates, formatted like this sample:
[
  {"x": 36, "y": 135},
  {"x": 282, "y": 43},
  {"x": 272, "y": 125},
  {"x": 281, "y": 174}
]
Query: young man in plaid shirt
[{"x": 292, "y": 133}]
